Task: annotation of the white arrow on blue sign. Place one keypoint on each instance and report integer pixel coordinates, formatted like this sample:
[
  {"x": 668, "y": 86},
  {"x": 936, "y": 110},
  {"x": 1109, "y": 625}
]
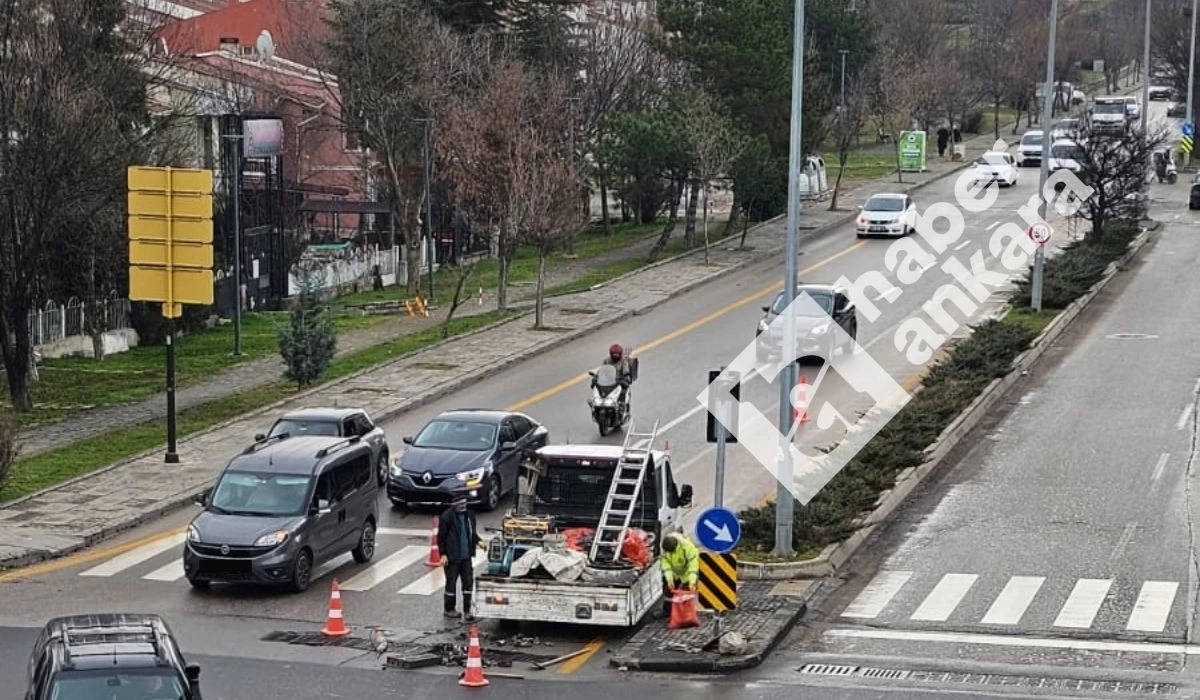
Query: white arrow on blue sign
[
  {"x": 718, "y": 530},
  {"x": 1188, "y": 129}
]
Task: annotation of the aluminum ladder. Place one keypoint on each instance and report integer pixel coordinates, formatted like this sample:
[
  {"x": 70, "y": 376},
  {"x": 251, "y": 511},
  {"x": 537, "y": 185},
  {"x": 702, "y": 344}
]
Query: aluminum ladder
[{"x": 623, "y": 495}]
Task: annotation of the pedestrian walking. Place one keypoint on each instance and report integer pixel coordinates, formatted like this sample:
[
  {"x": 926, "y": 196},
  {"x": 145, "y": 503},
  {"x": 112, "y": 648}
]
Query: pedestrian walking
[
  {"x": 458, "y": 537},
  {"x": 943, "y": 139}
]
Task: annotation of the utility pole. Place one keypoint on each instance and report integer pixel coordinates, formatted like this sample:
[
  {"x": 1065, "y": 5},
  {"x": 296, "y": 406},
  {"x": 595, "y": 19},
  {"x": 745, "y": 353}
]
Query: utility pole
[
  {"x": 427, "y": 157},
  {"x": 236, "y": 157},
  {"x": 1187, "y": 157},
  {"x": 787, "y": 379},
  {"x": 1146, "y": 75},
  {"x": 842, "y": 100},
  {"x": 1039, "y": 255}
]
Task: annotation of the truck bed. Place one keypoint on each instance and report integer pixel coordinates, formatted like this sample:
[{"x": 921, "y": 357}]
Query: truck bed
[{"x": 569, "y": 602}]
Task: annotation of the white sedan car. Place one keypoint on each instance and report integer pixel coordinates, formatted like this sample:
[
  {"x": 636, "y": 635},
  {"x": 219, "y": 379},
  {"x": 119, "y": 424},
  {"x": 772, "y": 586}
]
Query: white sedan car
[
  {"x": 995, "y": 166},
  {"x": 887, "y": 215}
]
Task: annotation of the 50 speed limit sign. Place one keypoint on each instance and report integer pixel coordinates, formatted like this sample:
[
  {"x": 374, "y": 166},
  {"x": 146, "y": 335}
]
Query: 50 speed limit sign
[{"x": 1040, "y": 233}]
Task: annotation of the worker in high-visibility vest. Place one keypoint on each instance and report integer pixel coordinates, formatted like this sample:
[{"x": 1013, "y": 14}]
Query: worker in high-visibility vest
[{"x": 680, "y": 564}]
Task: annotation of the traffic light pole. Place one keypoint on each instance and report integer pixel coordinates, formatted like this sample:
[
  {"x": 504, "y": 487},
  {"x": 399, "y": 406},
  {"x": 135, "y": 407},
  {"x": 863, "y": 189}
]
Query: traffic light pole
[
  {"x": 172, "y": 456},
  {"x": 719, "y": 486}
]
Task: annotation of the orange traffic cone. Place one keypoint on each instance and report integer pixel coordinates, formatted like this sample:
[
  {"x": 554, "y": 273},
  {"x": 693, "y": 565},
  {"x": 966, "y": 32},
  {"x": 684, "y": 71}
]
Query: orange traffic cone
[
  {"x": 335, "y": 625},
  {"x": 435, "y": 556},
  {"x": 800, "y": 400},
  {"x": 473, "y": 678}
]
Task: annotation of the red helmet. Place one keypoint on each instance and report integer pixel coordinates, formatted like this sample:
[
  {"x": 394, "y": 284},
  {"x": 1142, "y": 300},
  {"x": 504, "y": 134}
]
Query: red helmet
[{"x": 616, "y": 351}]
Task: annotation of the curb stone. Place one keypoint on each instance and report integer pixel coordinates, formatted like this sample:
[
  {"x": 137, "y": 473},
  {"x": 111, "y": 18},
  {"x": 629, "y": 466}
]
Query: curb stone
[
  {"x": 834, "y": 556},
  {"x": 181, "y": 499}
]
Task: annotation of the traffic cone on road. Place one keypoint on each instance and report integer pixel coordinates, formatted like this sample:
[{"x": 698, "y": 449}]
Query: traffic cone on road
[
  {"x": 800, "y": 400},
  {"x": 473, "y": 678},
  {"x": 335, "y": 625},
  {"x": 435, "y": 556}
]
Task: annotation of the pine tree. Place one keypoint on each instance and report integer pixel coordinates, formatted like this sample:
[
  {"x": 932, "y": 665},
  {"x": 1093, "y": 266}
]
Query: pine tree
[{"x": 308, "y": 344}]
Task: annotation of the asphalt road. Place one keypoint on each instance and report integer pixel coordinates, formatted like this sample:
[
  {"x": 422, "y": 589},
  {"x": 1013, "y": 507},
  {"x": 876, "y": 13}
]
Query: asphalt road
[
  {"x": 1066, "y": 534},
  {"x": 678, "y": 343}
]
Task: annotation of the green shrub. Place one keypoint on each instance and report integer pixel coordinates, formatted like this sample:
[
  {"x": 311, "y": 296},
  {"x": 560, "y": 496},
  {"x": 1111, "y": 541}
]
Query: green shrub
[{"x": 948, "y": 388}]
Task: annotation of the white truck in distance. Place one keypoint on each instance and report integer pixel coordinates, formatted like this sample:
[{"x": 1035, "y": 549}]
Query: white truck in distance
[{"x": 564, "y": 488}]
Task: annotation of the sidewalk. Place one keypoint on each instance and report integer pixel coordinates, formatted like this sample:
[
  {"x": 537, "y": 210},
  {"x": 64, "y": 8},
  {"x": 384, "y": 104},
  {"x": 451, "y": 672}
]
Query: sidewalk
[{"x": 93, "y": 507}]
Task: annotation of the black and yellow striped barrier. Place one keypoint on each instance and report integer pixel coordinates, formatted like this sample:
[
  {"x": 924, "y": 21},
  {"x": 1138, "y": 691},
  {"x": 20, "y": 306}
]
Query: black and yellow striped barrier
[
  {"x": 717, "y": 585},
  {"x": 1185, "y": 144}
]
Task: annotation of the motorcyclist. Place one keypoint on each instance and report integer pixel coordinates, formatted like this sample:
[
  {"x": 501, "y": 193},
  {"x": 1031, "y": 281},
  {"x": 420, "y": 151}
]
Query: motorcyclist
[{"x": 616, "y": 358}]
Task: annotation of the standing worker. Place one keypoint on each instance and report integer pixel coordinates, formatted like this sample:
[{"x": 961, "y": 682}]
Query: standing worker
[
  {"x": 681, "y": 565},
  {"x": 457, "y": 540}
]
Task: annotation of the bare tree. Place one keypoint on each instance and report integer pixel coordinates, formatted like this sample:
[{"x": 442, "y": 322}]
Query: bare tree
[
  {"x": 897, "y": 90},
  {"x": 847, "y": 124},
  {"x": 1115, "y": 167},
  {"x": 714, "y": 141},
  {"x": 396, "y": 65}
]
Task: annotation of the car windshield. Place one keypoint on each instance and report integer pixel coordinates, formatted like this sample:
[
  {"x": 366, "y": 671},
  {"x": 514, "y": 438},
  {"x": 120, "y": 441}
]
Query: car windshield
[
  {"x": 822, "y": 299},
  {"x": 470, "y": 436},
  {"x": 991, "y": 159},
  {"x": 606, "y": 375},
  {"x": 1031, "y": 140},
  {"x": 299, "y": 426},
  {"x": 253, "y": 493},
  {"x": 1066, "y": 152},
  {"x": 884, "y": 204},
  {"x": 1069, "y": 125},
  {"x": 126, "y": 684},
  {"x": 1109, "y": 108}
]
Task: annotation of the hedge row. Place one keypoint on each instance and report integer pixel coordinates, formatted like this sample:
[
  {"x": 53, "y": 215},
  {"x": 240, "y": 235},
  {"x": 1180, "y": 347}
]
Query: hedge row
[{"x": 949, "y": 387}]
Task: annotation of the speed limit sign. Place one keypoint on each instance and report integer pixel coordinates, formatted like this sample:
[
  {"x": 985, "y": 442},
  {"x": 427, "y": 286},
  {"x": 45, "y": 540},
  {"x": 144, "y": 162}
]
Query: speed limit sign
[{"x": 1040, "y": 233}]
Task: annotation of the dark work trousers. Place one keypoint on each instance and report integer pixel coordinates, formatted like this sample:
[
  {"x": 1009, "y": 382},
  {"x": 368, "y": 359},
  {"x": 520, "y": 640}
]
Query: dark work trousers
[{"x": 459, "y": 571}]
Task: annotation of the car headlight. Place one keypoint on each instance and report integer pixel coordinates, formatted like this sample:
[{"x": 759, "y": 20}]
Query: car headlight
[
  {"x": 862, "y": 220},
  {"x": 472, "y": 477},
  {"x": 273, "y": 539},
  {"x": 821, "y": 330},
  {"x": 193, "y": 534},
  {"x": 394, "y": 468}
]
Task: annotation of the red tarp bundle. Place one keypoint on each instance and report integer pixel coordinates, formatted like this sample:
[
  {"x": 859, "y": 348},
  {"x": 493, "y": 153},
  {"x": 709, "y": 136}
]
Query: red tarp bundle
[{"x": 634, "y": 549}]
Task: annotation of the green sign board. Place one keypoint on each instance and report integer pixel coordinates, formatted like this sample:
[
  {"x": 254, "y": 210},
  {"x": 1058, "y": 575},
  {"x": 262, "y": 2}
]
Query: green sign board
[{"x": 912, "y": 151}]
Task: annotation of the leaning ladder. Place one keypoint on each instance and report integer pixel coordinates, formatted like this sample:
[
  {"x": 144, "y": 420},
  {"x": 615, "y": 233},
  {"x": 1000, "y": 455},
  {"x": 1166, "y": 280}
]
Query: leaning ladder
[{"x": 623, "y": 495}]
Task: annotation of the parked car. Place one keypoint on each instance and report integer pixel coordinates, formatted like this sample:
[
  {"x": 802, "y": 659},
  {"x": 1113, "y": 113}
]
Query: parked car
[
  {"x": 338, "y": 422},
  {"x": 1133, "y": 107},
  {"x": 887, "y": 215},
  {"x": 467, "y": 449},
  {"x": 1066, "y": 154},
  {"x": 996, "y": 166},
  {"x": 1066, "y": 129},
  {"x": 1177, "y": 110},
  {"x": 814, "y": 329},
  {"x": 1161, "y": 92},
  {"x": 104, "y": 655},
  {"x": 1030, "y": 148},
  {"x": 283, "y": 507}
]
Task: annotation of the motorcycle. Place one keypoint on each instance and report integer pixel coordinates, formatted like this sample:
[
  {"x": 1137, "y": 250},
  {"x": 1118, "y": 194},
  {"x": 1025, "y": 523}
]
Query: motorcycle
[
  {"x": 609, "y": 401},
  {"x": 1164, "y": 167}
]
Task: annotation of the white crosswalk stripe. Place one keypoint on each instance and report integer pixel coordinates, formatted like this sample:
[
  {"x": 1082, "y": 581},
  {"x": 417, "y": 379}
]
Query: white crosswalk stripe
[
  {"x": 381, "y": 571},
  {"x": 136, "y": 556},
  {"x": 894, "y": 595},
  {"x": 170, "y": 572},
  {"x": 945, "y": 597},
  {"x": 435, "y": 580}
]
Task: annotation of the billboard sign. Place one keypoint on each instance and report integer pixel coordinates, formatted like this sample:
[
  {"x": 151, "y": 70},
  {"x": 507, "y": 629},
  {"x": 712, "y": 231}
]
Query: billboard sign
[{"x": 264, "y": 138}]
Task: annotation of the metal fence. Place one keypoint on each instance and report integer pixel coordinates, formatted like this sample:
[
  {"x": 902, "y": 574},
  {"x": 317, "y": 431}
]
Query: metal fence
[{"x": 57, "y": 322}]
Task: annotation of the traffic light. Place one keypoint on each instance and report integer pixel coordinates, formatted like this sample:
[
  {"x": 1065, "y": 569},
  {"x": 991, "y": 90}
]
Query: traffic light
[{"x": 719, "y": 383}]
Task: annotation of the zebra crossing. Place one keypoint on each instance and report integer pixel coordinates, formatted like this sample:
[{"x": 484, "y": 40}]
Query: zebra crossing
[
  {"x": 147, "y": 564},
  {"x": 1025, "y": 601}
]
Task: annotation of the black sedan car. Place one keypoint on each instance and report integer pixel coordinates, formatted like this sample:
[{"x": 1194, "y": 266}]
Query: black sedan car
[{"x": 475, "y": 450}]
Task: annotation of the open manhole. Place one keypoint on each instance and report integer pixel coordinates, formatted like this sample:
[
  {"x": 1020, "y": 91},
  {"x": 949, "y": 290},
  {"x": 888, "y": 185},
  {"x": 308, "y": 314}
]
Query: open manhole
[{"x": 1131, "y": 336}]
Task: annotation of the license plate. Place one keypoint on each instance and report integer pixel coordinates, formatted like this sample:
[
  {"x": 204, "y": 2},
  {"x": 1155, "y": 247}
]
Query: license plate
[{"x": 878, "y": 229}]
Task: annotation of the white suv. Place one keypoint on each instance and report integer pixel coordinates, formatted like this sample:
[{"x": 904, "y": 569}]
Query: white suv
[{"x": 1030, "y": 149}]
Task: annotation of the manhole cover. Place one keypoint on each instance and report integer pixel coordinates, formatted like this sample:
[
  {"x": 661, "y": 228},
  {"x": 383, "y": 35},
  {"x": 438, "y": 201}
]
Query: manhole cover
[{"x": 1130, "y": 336}]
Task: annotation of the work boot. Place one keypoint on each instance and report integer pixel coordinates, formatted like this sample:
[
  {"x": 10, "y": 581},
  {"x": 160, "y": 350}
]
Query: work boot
[{"x": 451, "y": 614}]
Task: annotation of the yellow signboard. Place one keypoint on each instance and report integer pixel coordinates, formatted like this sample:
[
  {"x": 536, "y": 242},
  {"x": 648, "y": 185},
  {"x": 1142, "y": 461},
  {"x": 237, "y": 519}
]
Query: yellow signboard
[
  {"x": 173, "y": 204},
  {"x": 154, "y": 228},
  {"x": 179, "y": 180},
  {"x": 718, "y": 581},
  {"x": 188, "y": 286},
  {"x": 154, "y": 254}
]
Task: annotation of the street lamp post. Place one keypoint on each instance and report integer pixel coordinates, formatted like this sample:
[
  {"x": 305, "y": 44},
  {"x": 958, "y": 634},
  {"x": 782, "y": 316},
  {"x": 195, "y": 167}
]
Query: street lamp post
[
  {"x": 784, "y": 498},
  {"x": 1146, "y": 73},
  {"x": 842, "y": 99},
  {"x": 1187, "y": 157},
  {"x": 1039, "y": 256},
  {"x": 426, "y": 162},
  {"x": 237, "y": 240}
]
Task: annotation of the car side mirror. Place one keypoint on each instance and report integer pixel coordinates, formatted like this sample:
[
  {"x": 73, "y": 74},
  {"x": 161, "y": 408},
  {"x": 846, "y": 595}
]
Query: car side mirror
[
  {"x": 685, "y": 495},
  {"x": 202, "y": 500},
  {"x": 408, "y": 440},
  {"x": 323, "y": 507},
  {"x": 765, "y": 309},
  {"x": 506, "y": 446},
  {"x": 193, "y": 674},
  {"x": 260, "y": 437}
]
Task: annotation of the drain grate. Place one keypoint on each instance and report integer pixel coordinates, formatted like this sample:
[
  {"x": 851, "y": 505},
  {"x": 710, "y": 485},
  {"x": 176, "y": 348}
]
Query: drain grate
[
  {"x": 1045, "y": 682},
  {"x": 1131, "y": 336},
  {"x": 828, "y": 670},
  {"x": 883, "y": 674}
]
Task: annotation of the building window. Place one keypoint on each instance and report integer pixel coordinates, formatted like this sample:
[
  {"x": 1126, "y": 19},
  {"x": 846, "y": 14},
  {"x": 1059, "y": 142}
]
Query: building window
[{"x": 350, "y": 142}]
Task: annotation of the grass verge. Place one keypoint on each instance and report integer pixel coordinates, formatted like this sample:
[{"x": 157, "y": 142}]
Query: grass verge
[
  {"x": 948, "y": 388},
  {"x": 49, "y": 468}
]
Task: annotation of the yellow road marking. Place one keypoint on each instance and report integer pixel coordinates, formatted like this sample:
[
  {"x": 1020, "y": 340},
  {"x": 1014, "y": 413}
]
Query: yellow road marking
[
  {"x": 84, "y": 557},
  {"x": 683, "y": 330},
  {"x": 573, "y": 665}
]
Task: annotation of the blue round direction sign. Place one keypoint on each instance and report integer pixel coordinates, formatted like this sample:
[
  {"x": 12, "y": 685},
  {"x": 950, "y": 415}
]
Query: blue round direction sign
[
  {"x": 718, "y": 530},
  {"x": 1188, "y": 129}
]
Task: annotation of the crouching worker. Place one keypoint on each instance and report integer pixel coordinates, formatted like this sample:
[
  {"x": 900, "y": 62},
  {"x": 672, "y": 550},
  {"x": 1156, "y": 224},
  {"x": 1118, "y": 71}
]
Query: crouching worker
[{"x": 681, "y": 566}]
